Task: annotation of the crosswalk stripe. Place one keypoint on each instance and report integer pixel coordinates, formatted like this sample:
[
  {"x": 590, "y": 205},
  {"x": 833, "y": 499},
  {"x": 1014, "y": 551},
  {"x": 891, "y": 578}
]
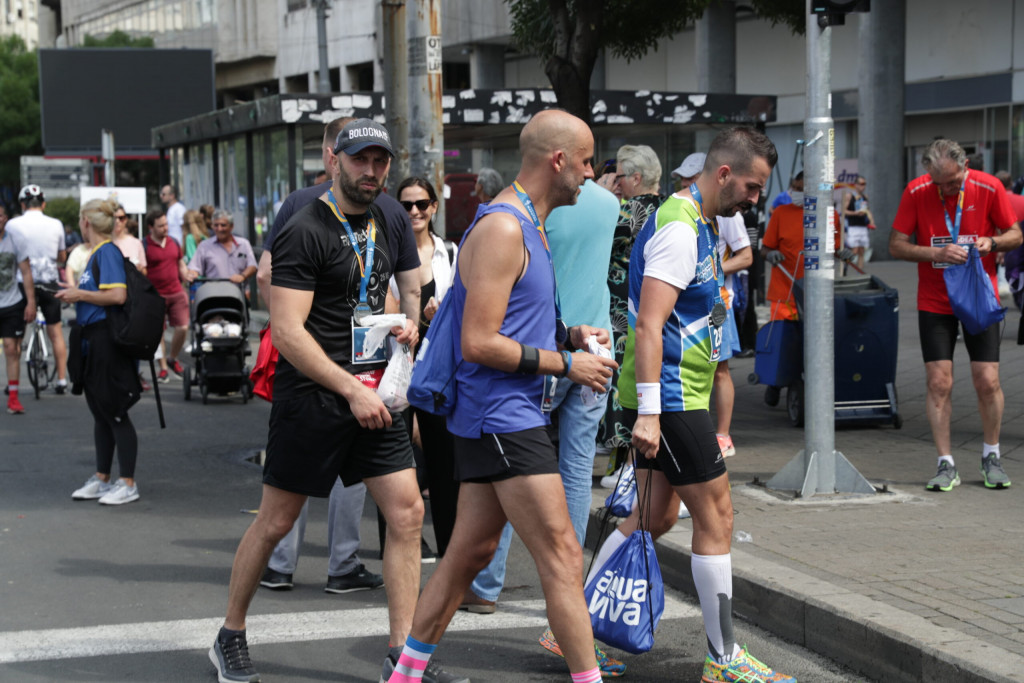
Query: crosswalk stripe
[{"x": 197, "y": 634}]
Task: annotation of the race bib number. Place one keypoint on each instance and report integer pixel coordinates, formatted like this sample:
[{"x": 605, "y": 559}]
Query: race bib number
[
  {"x": 942, "y": 240},
  {"x": 547, "y": 401},
  {"x": 715, "y": 333}
]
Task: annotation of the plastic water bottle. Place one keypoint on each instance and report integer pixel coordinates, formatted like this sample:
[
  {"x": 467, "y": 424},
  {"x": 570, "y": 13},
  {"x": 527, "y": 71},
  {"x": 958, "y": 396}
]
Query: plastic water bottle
[{"x": 588, "y": 395}]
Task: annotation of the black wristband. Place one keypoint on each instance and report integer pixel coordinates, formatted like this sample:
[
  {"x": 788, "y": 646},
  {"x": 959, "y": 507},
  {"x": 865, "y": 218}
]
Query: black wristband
[
  {"x": 529, "y": 360},
  {"x": 567, "y": 344}
]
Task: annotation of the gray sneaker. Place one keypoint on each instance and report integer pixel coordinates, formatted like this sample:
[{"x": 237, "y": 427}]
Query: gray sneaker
[
  {"x": 93, "y": 489},
  {"x": 230, "y": 654},
  {"x": 946, "y": 478},
  {"x": 432, "y": 674},
  {"x": 995, "y": 477}
]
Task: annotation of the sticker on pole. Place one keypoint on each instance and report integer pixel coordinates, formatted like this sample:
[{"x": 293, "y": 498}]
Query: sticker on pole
[
  {"x": 811, "y": 263},
  {"x": 811, "y": 244}
]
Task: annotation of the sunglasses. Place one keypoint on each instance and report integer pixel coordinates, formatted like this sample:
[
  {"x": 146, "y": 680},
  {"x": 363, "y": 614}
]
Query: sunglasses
[
  {"x": 421, "y": 204},
  {"x": 121, "y": 218}
]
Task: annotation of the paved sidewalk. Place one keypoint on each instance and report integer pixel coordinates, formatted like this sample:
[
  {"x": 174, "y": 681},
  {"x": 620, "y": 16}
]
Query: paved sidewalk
[{"x": 905, "y": 585}]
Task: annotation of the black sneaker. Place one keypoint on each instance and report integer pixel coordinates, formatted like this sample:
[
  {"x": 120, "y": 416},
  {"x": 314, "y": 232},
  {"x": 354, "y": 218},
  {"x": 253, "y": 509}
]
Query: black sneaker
[
  {"x": 356, "y": 580},
  {"x": 432, "y": 674},
  {"x": 427, "y": 556},
  {"x": 276, "y": 581},
  {"x": 230, "y": 654},
  {"x": 61, "y": 389}
]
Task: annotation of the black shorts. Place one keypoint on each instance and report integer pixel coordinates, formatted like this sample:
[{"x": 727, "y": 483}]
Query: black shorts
[
  {"x": 49, "y": 305},
  {"x": 938, "y": 337},
  {"x": 689, "y": 452},
  {"x": 314, "y": 439},
  {"x": 496, "y": 457},
  {"x": 12, "y": 321}
]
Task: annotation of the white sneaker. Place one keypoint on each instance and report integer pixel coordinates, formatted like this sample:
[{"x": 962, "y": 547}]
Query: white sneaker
[
  {"x": 93, "y": 489},
  {"x": 609, "y": 481},
  {"x": 683, "y": 512},
  {"x": 120, "y": 494}
]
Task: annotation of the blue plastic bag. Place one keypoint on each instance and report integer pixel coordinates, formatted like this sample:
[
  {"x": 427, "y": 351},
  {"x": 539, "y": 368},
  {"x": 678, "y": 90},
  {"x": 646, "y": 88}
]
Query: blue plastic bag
[
  {"x": 626, "y": 598},
  {"x": 971, "y": 295},
  {"x": 432, "y": 387},
  {"x": 620, "y": 501}
]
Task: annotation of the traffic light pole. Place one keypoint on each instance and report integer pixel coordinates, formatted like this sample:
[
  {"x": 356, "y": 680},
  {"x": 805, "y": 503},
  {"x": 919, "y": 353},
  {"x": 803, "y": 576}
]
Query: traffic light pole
[{"x": 819, "y": 468}]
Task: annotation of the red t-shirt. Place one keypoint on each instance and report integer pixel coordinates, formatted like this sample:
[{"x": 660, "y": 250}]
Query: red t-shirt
[
  {"x": 162, "y": 269},
  {"x": 986, "y": 211}
]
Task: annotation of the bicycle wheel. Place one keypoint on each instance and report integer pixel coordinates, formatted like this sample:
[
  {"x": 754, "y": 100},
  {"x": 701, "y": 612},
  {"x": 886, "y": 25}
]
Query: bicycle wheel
[{"x": 36, "y": 365}]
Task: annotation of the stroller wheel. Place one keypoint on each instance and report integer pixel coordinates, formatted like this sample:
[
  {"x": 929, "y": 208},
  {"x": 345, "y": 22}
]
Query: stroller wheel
[{"x": 186, "y": 383}]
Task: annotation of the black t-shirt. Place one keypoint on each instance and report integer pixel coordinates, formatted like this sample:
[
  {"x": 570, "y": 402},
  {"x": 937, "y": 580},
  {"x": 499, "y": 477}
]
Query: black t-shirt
[
  {"x": 400, "y": 237},
  {"x": 313, "y": 253}
]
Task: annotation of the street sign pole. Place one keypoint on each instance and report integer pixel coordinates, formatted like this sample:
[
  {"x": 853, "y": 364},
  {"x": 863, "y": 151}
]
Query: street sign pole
[{"x": 819, "y": 468}]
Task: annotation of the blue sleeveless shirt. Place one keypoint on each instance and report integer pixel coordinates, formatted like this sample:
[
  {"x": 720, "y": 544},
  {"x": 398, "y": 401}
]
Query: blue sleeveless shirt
[{"x": 491, "y": 401}]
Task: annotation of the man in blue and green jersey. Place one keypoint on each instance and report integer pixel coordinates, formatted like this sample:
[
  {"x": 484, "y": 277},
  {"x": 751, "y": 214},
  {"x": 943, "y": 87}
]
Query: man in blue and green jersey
[{"x": 676, "y": 317}]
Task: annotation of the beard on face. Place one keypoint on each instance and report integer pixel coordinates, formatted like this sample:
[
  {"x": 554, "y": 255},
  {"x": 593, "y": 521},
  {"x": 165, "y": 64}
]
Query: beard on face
[
  {"x": 730, "y": 201},
  {"x": 354, "y": 192}
]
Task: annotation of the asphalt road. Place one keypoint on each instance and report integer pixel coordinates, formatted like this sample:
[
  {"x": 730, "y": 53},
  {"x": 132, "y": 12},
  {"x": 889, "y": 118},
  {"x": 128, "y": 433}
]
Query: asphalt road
[{"x": 93, "y": 593}]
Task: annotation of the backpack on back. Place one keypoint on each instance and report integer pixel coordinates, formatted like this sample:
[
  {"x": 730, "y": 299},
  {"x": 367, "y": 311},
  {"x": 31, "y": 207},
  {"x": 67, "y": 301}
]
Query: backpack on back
[{"x": 136, "y": 326}]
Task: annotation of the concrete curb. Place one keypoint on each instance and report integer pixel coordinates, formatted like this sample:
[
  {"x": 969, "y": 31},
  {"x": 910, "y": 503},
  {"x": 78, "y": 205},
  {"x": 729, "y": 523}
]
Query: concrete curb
[{"x": 871, "y": 637}]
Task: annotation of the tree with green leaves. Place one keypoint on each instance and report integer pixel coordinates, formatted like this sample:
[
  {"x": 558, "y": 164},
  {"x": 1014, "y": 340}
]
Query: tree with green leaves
[
  {"x": 20, "y": 132},
  {"x": 568, "y": 35},
  {"x": 117, "y": 38}
]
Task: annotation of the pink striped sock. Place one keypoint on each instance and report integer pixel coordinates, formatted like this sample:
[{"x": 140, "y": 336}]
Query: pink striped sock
[
  {"x": 412, "y": 662},
  {"x": 592, "y": 676}
]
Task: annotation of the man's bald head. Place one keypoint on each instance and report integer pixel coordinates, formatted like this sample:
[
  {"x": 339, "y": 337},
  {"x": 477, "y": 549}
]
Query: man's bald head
[{"x": 550, "y": 131}]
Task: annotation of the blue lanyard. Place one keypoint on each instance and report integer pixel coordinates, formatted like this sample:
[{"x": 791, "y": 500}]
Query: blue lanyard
[
  {"x": 953, "y": 227},
  {"x": 371, "y": 245},
  {"x": 528, "y": 203},
  {"x": 716, "y": 261}
]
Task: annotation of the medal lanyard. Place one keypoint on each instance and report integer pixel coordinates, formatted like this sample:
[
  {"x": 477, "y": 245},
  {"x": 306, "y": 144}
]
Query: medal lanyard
[
  {"x": 953, "y": 227},
  {"x": 525, "y": 199},
  {"x": 715, "y": 258},
  {"x": 371, "y": 245}
]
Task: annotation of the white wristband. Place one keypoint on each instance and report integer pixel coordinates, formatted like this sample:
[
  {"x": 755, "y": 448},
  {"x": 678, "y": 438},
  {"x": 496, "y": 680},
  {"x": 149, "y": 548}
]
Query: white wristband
[{"x": 648, "y": 395}]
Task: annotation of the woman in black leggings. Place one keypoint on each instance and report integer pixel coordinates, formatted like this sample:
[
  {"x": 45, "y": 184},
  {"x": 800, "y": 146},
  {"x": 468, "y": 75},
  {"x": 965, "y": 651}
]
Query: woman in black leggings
[{"x": 97, "y": 366}]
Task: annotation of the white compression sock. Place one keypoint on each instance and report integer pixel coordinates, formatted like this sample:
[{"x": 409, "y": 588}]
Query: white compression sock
[
  {"x": 610, "y": 545},
  {"x": 987, "y": 448},
  {"x": 712, "y": 576},
  {"x": 947, "y": 458}
]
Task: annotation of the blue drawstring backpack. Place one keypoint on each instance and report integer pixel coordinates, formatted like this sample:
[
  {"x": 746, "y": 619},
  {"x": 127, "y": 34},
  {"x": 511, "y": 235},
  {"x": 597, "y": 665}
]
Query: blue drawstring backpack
[
  {"x": 971, "y": 295},
  {"x": 620, "y": 501},
  {"x": 432, "y": 387},
  {"x": 626, "y": 597}
]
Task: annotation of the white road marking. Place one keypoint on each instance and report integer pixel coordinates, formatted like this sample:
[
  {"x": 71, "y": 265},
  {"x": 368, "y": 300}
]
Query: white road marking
[{"x": 198, "y": 634}]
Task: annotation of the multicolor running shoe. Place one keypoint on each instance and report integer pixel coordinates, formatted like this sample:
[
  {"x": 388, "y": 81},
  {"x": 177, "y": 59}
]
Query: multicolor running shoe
[
  {"x": 609, "y": 666},
  {"x": 742, "y": 669}
]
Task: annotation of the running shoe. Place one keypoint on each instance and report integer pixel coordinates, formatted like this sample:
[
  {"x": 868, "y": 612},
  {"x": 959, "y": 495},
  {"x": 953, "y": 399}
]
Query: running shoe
[
  {"x": 609, "y": 666},
  {"x": 230, "y": 654},
  {"x": 163, "y": 377},
  {"x": 120, "y": 494},
  {"x": 725, "y": 445},
  {"x": 946, "y": 478},
  {"x": 995, "y": 477},
  {"x": 176, "y": 368},
  {"x": 608, "y": 481},
  {"x": 14, "y": 406},
  {"x": 276, "y": 581},
  {"x": 742, "y": 669},
  {"x": 432, "y": 674},
  {"x": 61, "y": 389},
  {"x": 356, "y": 580},
  {"x": 94, "y": 488}
]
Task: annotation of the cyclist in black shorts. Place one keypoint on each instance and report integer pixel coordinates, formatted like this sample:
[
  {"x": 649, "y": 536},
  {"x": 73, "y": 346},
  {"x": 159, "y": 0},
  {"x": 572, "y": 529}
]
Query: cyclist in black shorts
[
  {"x": 16, "y": 308},
  {"x": 43, "y": 238}
]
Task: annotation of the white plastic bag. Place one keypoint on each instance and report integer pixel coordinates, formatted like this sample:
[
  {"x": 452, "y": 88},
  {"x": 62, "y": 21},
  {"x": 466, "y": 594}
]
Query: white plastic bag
[
  {"x": 395, "y": 382},
  {"x": 380, "y": 326}
]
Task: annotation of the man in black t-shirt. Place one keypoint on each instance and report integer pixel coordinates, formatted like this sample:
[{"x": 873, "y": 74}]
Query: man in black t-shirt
[{"x": 332, "y": 264}]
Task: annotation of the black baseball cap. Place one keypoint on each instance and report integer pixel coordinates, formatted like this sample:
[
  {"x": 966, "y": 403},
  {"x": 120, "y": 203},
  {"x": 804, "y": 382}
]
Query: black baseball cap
[{"x": 360, "y": 134}]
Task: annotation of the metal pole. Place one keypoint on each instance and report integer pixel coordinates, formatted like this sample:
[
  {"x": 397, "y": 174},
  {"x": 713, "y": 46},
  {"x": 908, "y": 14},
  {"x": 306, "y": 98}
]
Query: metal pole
[
  {"x": 396, "y": 86},
  {"x": 819, "y": 468},
  {"x": 324, "y": 81},
  {"x": 426, "y": 131}
]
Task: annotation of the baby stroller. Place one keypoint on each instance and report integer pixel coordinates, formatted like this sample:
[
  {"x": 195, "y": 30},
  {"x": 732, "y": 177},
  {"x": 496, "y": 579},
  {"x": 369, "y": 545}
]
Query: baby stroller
[{"x": 219, "y": 326}]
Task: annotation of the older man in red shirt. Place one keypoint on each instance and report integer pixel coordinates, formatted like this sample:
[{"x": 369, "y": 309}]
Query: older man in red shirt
[
  {"x": 948, "y": 200},
  {"x": 167, "y": 271}
]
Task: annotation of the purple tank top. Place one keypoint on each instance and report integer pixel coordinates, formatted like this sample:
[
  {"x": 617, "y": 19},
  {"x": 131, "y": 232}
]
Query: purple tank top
[{"x": 491, "y": 401}]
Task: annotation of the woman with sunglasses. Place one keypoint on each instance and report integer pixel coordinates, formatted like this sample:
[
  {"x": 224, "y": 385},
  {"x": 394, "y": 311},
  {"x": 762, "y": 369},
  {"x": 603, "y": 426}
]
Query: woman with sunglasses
[
  {"x": 437, "y": 259},
  {"x": 130, "y": 245}
]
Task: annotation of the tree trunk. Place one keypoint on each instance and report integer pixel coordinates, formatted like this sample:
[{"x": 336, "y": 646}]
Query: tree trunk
[{"x": 576, "y": 46}]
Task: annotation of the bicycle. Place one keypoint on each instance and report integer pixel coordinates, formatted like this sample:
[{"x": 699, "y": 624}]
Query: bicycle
[{"x": 38, "y": 354}]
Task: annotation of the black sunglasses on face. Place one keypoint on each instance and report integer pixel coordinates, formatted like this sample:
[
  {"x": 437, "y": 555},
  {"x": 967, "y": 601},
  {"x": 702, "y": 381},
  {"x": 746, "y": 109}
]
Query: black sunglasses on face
[
  {"x": 121, "y": 218},
  {"x": 421, "y": 204}
]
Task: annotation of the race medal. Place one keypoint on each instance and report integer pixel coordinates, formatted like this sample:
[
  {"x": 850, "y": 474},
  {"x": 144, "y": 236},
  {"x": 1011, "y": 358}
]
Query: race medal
[
  {"x": 360, "y": 312},
  {"x": 561, "y": 331},
  {"x": 718, "y": 313}
]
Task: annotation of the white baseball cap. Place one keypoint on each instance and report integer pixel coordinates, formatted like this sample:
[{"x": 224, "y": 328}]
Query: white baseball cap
[{"x": 691, "y": 166}]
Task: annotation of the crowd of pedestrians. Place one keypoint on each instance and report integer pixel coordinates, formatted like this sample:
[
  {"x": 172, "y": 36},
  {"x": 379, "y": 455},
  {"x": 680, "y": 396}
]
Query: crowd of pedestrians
[{"x": 564, "y": 260}]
